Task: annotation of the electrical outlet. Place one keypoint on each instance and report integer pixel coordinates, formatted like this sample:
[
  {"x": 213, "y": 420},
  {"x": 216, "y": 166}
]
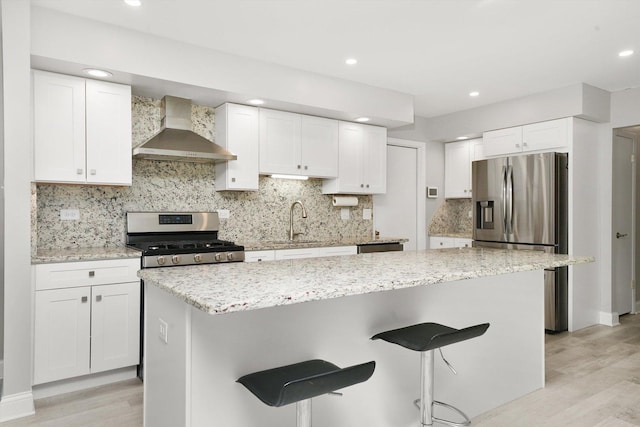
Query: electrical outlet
[
  {"x": 163, "y": 332},
  {"x": 344, "y": 213},
  {"x": 366, "y": 213},
  {"x": 69, "y": 214},
  {"x": 223, "y": 213},
  {"x": 470, "y": 214}
]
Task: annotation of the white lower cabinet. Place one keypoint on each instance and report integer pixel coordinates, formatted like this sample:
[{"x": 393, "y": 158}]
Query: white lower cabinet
[
  {"x": 271, "y": 255},
  {"x": 87, "y": 327},
  {"x": 449, "y": 242}
]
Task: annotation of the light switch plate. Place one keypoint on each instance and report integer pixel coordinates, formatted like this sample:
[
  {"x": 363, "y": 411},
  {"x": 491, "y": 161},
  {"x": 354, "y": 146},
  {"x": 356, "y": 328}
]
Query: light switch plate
[
  {"x": 69, "y": 214},
  {"x": 223, "y": 213},
  {"x": 344, "y": 213},
  {"x": 366, "y": 213}
]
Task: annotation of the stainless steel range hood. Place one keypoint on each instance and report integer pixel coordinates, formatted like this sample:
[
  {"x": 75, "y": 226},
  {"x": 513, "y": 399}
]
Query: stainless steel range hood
[{"x": 176, "y": 141}]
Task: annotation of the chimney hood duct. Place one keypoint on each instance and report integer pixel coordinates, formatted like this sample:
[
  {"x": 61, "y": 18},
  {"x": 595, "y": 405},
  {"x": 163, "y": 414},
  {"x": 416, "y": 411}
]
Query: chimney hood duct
[{"x": 176, "y": 141}]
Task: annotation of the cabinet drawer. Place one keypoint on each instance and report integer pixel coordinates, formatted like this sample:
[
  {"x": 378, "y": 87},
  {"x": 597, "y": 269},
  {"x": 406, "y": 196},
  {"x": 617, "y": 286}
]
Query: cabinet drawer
[
  {"x": 257, "y": 256},
  {"x": 337, "y": 250},
  {"x": 86, "y": 273}
]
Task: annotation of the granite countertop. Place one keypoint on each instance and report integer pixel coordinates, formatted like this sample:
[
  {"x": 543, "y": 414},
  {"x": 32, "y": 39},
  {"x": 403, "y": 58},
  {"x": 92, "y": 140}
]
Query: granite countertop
[
  {"x": 233, "y": 287},
  {"x": 302, "y": 243},
  {"x": 47, "y": 256}
]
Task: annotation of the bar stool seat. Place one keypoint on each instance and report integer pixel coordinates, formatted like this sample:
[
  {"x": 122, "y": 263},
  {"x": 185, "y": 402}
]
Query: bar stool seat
[
  {"x": 299, "y": 382},
  {"x": 425, "y": 338}
]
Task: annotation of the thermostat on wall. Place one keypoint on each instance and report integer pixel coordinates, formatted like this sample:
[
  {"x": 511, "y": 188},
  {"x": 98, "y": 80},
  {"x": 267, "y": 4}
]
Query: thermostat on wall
[{"x": 432, "y": 192}]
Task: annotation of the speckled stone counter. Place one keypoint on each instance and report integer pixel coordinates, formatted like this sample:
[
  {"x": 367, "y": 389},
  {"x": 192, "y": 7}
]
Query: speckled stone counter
[
  {"x": 286, "y": 244},
  {"x": 345, "y": 300},
  {"x": 460, "y": 235},
  {"x": 47, "y": 256},
  {"x": 233, "y": 287}
]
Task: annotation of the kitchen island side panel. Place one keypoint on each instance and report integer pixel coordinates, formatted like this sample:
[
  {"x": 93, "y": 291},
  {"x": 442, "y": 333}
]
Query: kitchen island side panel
[{"x": 504, "y": 364}]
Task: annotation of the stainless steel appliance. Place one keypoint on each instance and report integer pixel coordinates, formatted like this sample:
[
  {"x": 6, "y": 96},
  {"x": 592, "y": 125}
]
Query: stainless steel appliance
[
  {"x": 169, "y": 239},
  {"x": 380, "y": 247},
  {"x": 520, "y": 202}
]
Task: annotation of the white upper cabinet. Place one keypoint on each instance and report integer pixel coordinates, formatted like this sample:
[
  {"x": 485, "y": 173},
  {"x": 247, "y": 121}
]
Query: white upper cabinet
[
  {"x": 82, "y": 130},
  {"x": 237, "y": 130},
  {"x": 544, "y": 136},
  {"x": 296, "y": 144},
  {"x": 458, "y": 158},
  {"x": 108, "y": 127},
  {"x": 362, "y": 164},
  {"x": 319, "y": 147}
]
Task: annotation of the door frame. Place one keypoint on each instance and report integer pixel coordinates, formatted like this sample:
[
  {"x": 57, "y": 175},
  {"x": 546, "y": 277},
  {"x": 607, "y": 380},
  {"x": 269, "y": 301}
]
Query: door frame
[
  {"x": 634, "y": 137},
  {"x": 421, "y": 205}
]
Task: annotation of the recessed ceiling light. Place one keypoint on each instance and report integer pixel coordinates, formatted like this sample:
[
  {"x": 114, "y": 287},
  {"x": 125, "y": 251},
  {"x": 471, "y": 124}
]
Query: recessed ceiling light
[
  {"x": 474, "y": 93},
  {"x": 362, "y": 119},
  {"x": 351, "y": 61},
  {"x": 624, "y": 53},
  {"x": 97, "y": 73},
  {"x": 462, "y": 137},
  {"x": 255, "y": 101},
  {"x": 134, "y": 3}
]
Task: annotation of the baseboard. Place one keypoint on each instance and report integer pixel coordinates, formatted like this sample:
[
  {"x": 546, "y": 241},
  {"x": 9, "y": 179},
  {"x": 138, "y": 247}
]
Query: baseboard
[
  {"x": 81, "y": 383},
  {"x": 16, "y": 406},
  {"x": 609, "y": 319}
]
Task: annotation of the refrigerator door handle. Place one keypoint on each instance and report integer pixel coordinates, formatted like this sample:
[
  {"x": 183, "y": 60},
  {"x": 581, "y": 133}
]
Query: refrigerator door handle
[
  {"x": 504, "y": 201},
  {"x": 510, "y": 198}
]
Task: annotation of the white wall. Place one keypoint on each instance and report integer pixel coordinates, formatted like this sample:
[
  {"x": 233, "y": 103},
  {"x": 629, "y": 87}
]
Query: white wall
[
  {"x": 16, "y": 394},
  {"x": 579, "y": 100},
  {"x": 81, "y": 41}
]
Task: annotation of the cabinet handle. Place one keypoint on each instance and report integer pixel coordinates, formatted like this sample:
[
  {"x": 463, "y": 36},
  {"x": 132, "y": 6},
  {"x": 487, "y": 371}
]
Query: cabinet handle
[
  {"x": 92, "y": 274},
  {"x": 517, "y": 145},
  {"x": 79, "y": 171},
  {"x": 299, "y": 166},
  {"x": 367, "y": 185},
  {"x": 98, "y": 298},
  {"x": 465, "y": 191},
  {"x": 524, "y": 144},
  {"x": 233, "y": 180},
  {"x": 92, "y": 171},
  {"x": 84, "y": 299},
  {"x": 306, "y": 167}
]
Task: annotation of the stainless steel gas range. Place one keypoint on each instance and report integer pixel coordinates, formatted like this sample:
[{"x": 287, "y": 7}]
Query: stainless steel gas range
[{"x": 169, "y": 239}]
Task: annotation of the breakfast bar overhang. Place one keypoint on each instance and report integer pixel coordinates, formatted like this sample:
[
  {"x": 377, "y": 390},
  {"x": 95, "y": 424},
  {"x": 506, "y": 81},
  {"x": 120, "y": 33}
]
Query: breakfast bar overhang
[{"x": 206, "y": 326}]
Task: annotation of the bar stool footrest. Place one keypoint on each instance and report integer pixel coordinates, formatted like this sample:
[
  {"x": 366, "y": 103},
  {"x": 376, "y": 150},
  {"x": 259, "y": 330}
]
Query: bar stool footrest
[{"x": 466, "y": 422}]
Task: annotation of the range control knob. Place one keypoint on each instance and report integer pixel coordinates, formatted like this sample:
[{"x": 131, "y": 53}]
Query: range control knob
[
  {"x": 230, "y": 256},
  {"x": 161, "y": 260},
  {"x": 197, "y": 258},
  {"x": 175, "y": 259},
  {"x": 218, "y": 257}
]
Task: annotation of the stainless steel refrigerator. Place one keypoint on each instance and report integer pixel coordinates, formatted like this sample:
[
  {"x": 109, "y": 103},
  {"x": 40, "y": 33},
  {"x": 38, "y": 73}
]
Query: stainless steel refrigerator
[{"x": 520, "y": 202}]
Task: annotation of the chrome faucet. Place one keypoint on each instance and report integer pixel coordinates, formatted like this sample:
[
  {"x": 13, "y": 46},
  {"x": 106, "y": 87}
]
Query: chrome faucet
[{"x": 304, "y": 215}]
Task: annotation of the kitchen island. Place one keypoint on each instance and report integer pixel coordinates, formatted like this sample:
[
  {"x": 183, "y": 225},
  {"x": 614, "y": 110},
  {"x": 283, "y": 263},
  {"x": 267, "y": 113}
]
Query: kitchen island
[{"x": 227, "y": 320}]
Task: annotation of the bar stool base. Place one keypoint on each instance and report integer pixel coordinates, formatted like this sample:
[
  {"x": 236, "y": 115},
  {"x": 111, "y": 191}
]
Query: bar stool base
[{"x": 466, "y": 422}]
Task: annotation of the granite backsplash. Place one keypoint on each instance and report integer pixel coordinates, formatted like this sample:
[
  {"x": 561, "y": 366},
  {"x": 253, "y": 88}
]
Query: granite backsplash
[
  {"x": 177, "y": 186},
  {"x": 452, "y": 218}
]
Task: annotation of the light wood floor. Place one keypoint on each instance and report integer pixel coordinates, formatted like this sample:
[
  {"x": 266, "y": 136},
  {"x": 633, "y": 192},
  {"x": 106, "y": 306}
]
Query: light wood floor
[{"x": 593, "y": 380}]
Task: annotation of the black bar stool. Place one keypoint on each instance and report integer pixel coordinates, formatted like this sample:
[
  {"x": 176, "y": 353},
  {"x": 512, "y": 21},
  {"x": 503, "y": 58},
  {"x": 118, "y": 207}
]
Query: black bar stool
[
  {"x": 302, "y": 381},
  {"x": 425, "y": 338}
]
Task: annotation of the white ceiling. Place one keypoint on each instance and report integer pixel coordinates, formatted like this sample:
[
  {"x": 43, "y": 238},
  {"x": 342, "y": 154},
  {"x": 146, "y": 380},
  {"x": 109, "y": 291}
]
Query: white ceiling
[{"x": 436, "y": 50}]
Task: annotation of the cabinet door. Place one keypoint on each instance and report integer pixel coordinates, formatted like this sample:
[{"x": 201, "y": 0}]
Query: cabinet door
[
  {"x": 59, "y": 127},
  {"x": 457, "y": 170},
  {"x": 350, "y": 161},
  {"x": 108, "y": 112},
  {"x": 319, "y": 147},
  {"x": 462, "y": 243},
  {"x": 279, "y": 142},
  {"x": 237, "y": 129},
  {"x": 115, "y": 326},
  {"x": 546, "y": 135},
  {"x": 502, "y": 142},
  {"x": 337, "y": 250},
  {"x": 61, "y": 334},
  {"x": 374, "y": 153}
]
